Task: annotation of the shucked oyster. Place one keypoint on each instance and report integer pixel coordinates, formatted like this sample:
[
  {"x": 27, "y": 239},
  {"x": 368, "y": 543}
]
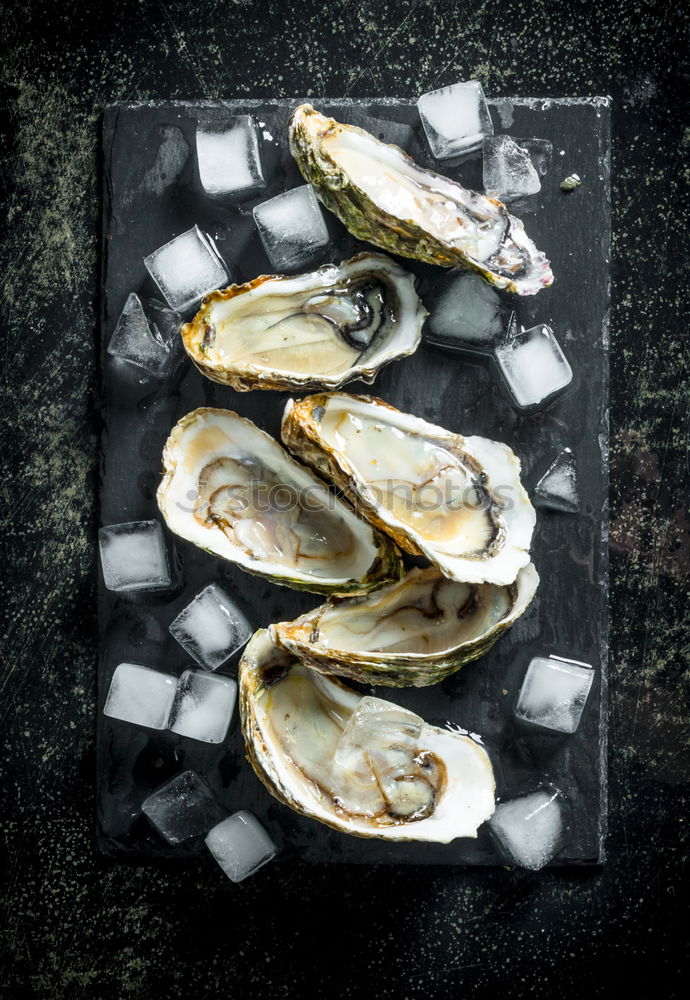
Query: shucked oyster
[
  {"x": 384, "y": 197},
  {"x": 415, "y": 631},
  {"x": 231, "y": 489},
  {"x": 361, "y": 765},
  {"x": 316, "y": 330},
  {"x": 458, "y": 501}
]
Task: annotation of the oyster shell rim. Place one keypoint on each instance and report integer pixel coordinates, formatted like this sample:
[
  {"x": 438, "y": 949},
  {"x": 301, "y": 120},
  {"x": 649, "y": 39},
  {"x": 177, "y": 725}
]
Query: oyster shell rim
[
  {"x": 406, "y": 669},
  {"x": 252, "y": 377},
  {"x": 387, "y": 565}
]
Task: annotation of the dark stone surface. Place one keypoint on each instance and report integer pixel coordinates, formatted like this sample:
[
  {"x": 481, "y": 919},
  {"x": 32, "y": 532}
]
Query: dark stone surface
[
  {"x": 79, "y": 925},
  {"x": 147, "y": 201}
]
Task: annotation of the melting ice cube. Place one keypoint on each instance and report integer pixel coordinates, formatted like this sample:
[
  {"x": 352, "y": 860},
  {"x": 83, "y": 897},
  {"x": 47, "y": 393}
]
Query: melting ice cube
[
  {"x": 508, "y": 169},
  {"x": 554, "y": 693},
  {"x": 229, "y": 159},
  {"x": 292, "y": 229},
  {"x": 240, "y": 845},
  {"x": 558, "y": 487},
  {"x": 533, "y": 366},
  {"x": 140, "y": 695},
  {"x": 468, "y": 315},
  {"x": 455, "y": 119},
  {"x": 134, "y": 556},
  {"x": 182, "y": 808},
  {"x": 186, "y": 269},
  {"x": 211, "y": 628},
  {"x": 203, "y": 707},
  {"x": 529, "y": 829},
  {"x": 148, "y": 341}
]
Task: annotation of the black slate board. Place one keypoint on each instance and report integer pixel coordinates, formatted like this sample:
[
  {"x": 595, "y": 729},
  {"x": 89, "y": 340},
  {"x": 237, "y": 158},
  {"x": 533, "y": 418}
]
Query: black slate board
[{"x": 150, "y": 196}]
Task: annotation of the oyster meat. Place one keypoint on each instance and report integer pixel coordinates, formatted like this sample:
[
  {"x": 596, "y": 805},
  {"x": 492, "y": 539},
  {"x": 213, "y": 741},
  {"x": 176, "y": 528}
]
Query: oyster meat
[
  {"x": 316, "y": 330},
  {"x": 456, "y": 500},
  {"x": 361, "y": 765},
  {"x": 416, "y": 631},
  {"x": 229, "y": 488},
  {"x": 387, "y": 199}
]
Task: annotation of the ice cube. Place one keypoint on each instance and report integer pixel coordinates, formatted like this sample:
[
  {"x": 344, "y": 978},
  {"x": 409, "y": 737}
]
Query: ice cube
[
  {"x": 468, "y": 315},
  {"x": 182, "y": 808},
  {"x": 554, "y": 693},
  {"x": 529, "y": 829},
  {"x": 211, "y": 628},
  {"x": 146, "y": 335},
  {"x": 134, "y": 556},
  {"x": 508, "y": 169},
  {"x": 292, "y": 229},
  {"x": 533, "y": 366},
  {"x": 203, "y": 707},
  {"x": 540, "y": 153},
  {"x": 140, "y": 695},
  {"x": 186, "y": 269},
  {"x": 558, "y": 487},
  {"x": 240, "y": 845},
  {"x": 229, "y": 159},
  {"x": 455, "y": 119},
  {"x": 374, "y": 724}
]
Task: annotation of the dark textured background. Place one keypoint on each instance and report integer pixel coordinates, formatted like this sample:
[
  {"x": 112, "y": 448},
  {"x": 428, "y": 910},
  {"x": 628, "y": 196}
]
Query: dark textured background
[{"x": 81, "y": 926}]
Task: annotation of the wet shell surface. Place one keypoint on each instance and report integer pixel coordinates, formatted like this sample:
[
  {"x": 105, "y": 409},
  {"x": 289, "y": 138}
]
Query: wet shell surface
[
  {"x": 456, "y": 500},
  {"x": 387, "y": 199},
  {"x": 315, "y": 330},
  {"x": 416, "y": 632},
  {"x": 231, "y": 489},
  {"x": 361, "y": 765}
]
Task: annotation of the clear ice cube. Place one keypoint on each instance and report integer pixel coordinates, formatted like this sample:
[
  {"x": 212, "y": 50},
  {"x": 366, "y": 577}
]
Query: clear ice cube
[
  {"x": 147, "y": 336},
  {"x": 203, "y": 707},
  {"x": 374, "y": 724},
  {"x": 140, "y": 695},
  {"x": 240, "y": 845},
  {"x": 529, "y": 829},
  {"x": 508, "y": 169},
  {"x": 186, "y": 269},
  {"x": 229, "y": 158},
  {"x": 554, "y": 693},
  {"x": 211, "y": 628},
  {"x": 455, "y": 119},
  {"x": 540, "y": 153},
  {"x": 468, "y": 315},
  {"x": 292, "y": 229},
  {"x": 134, "y": 556},
  {"x": 533, "y": 366},
  {"x": 558, "y": 487},
  {"x": 182, "y": 808}
]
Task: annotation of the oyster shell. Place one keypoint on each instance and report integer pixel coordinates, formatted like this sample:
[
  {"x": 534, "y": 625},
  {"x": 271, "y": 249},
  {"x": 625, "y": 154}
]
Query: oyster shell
[
  {"x": 229, "y": 488},
  {"x": 458, "y": 501},
  {"x": 384, "y": 197},
  {"x": 416, "y": 631},
  {"x": 316, "y": 330},
  {"x": 360, "y": 765}
]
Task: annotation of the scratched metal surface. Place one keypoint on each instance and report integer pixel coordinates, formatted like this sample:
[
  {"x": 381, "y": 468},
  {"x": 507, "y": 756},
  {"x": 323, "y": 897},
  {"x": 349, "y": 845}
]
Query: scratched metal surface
[{"x": 78, "y": 925}]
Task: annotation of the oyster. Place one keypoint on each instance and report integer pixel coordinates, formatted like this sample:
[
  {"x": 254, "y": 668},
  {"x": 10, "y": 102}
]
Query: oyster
[
  {"x": 458, "y": 501},
  {"x": 384, "y": 197},
  {"x": 316, "y": 330},
  {"x": 416, "y": 631},
  {"x": 231, "y": 489},
  {"x": 361, "y": 765}
]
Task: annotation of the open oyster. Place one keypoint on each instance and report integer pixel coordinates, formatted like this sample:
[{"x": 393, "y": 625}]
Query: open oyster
[
  {"x": 458, "y": 501},
  {"x": 361, "y": 765},
  {"x": 316, "y": 330},
  {"x": 384, "y": 197},
  {"x": 416, "y": 631},
  {"x": 231, "y": 489}
]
